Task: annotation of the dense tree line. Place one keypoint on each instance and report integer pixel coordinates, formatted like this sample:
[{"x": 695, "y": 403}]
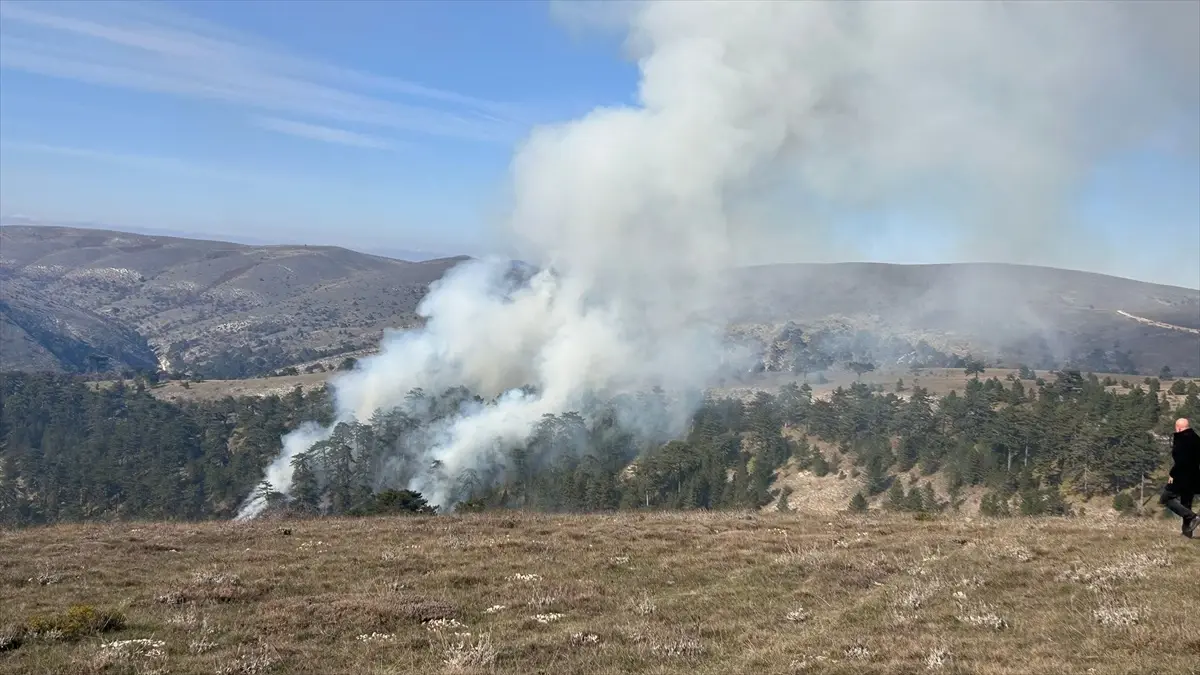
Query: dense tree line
[
  {"x": 1026, "y": 443},
  {"x": 72, "y": 450}
]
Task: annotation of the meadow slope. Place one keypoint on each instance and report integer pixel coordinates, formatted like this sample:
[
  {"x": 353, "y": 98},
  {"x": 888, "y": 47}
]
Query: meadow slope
[{"x": 642, "y": 593}]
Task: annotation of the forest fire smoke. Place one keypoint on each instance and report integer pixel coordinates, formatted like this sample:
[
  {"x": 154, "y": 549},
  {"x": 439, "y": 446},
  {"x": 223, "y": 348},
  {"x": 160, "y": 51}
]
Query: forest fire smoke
[{"x": 990, "y": 111}]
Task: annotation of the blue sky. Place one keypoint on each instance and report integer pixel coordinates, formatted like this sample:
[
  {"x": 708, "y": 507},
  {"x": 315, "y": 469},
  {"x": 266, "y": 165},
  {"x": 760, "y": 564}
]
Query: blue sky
[{"x": 376, "y": 125}]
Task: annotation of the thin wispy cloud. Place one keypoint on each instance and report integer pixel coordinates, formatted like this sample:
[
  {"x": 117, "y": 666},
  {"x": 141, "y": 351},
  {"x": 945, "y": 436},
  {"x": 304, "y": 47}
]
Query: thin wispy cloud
[
  {"x": 146, "y": 47},
  {"x": 150, "y": 162},
  {"x": 317, "y": 132}
]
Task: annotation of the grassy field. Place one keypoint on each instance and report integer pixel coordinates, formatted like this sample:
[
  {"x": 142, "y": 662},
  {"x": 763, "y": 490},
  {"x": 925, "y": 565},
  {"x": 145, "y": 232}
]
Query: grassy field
[
  {"x": 670, "y": 593},
  {"x": 209, "y": 390}
]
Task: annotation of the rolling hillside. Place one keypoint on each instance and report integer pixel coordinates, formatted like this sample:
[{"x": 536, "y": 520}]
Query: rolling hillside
[
  {"x": 1008, "y": 314},
  {"x": 81, "y": 299},
  {"x": 226, "y": 309}
]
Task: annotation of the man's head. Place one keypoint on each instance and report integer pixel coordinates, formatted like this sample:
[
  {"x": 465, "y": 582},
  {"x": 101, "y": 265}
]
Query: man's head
[{"x": 1182, "y": 424}]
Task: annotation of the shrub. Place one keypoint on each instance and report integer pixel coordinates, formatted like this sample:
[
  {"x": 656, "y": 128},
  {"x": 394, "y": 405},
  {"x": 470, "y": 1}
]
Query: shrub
[
  {"x": 77, "y": 622},
  {"x": 1124, "y": 503},
  {"x": 897, "y": 498},
  {"x": 11, "y": 637},
  {"x": 993, "y": 505},
  {"x": 783, "y": 505},
  {"x": 858, "y": 503},
  {"x": 820, "y": 466},
  {"x": 213, "y": 586},
  {"x": 395, "y": 502},
  {"x": 471, "y": 506},
  {"x": 1043, "y": 502},
  {"x": 929, "y": 500}
]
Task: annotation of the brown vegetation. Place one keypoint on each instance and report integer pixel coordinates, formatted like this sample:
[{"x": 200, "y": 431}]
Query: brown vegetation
[
  {"x": 212, "y": 390},
  {"x": 686, "y": 593}
]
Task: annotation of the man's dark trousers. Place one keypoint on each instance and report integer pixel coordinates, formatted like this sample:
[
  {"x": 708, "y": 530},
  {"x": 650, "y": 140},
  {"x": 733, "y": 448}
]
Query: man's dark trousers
[{"x": 1179, "y": 503}]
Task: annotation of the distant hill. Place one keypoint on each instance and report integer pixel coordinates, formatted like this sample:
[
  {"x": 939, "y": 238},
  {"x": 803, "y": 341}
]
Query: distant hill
[
  {"x": 246, "y": 238},
  {"x": 1010, "y": 314},
  {"x": 76, "y": 299},
  {"x": 71, "y": 298}
]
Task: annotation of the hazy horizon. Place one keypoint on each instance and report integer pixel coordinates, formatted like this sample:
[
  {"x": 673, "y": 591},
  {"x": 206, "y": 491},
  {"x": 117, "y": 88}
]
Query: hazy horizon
[{"x": 399, "y": 252}]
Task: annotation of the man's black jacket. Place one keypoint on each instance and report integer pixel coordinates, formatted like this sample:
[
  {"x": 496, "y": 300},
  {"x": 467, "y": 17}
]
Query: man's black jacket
[{"x": 1185, "y": 451}]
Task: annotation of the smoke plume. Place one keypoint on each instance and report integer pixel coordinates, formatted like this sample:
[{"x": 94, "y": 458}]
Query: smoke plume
[{"x": 756, "y": 121}]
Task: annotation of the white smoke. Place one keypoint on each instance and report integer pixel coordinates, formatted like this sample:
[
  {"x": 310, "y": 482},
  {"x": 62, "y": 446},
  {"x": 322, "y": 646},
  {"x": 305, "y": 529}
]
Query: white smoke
[
  {"x": 990, "y": 112},
  {"x": 279, "y": 471}
]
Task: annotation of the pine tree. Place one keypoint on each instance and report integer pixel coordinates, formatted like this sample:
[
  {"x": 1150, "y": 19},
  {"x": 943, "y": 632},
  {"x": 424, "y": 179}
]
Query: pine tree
[
  {"x": 875, "y": 480},
  {"x": 929, "y": 500},
  {"x": 820, "y": 466},
  {"x": 858, "y": 503},
  {"x": 915, "y": 500},
  {"x": 784, "y": 494},
  {"x": 306, "y": 490}
]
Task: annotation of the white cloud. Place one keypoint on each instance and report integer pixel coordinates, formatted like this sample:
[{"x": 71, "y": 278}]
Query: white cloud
[
  {"x": 317, "y": 132},
  {"x": 146, "y": 47}
]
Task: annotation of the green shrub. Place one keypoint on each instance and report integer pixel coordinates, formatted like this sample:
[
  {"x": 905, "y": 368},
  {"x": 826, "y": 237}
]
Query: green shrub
[
  {"x": 77, "y": 622},
  {"x": 1042, "y": 502},
  {"x": 783, "y": 505},
  {"x": 897, "y": 497},
  {"x": 1124, "y": 503},
  {"x": 858, "y": 503},
  {"x": 820, "y": 466},
  {"x": 994, "y": 505}
]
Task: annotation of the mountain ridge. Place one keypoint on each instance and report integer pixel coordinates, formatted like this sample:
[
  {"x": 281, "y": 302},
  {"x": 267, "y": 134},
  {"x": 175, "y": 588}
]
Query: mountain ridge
[
  {"x": 74, "y": 298},
  {"x": 205, "y": 304}
]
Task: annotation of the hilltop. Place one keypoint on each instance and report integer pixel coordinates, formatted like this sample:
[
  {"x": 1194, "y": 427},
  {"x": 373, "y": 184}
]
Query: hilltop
[
  {"x": 81, "y": 299},
  {"x": 1006, "y": 314},
  {"x": 71, "y": 296},
  {"x": 658, "y": 593}
]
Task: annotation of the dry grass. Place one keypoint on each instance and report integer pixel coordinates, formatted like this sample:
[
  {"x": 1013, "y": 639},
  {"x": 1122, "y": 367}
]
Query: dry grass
[
  {"x": 212, "y": 390},
  {"x": 679, "y": 593}
]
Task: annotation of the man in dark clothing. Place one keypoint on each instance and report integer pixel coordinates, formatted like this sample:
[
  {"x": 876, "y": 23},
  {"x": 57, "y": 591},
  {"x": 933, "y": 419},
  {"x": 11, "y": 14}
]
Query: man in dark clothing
[{"x": 1184, "y": 480}]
